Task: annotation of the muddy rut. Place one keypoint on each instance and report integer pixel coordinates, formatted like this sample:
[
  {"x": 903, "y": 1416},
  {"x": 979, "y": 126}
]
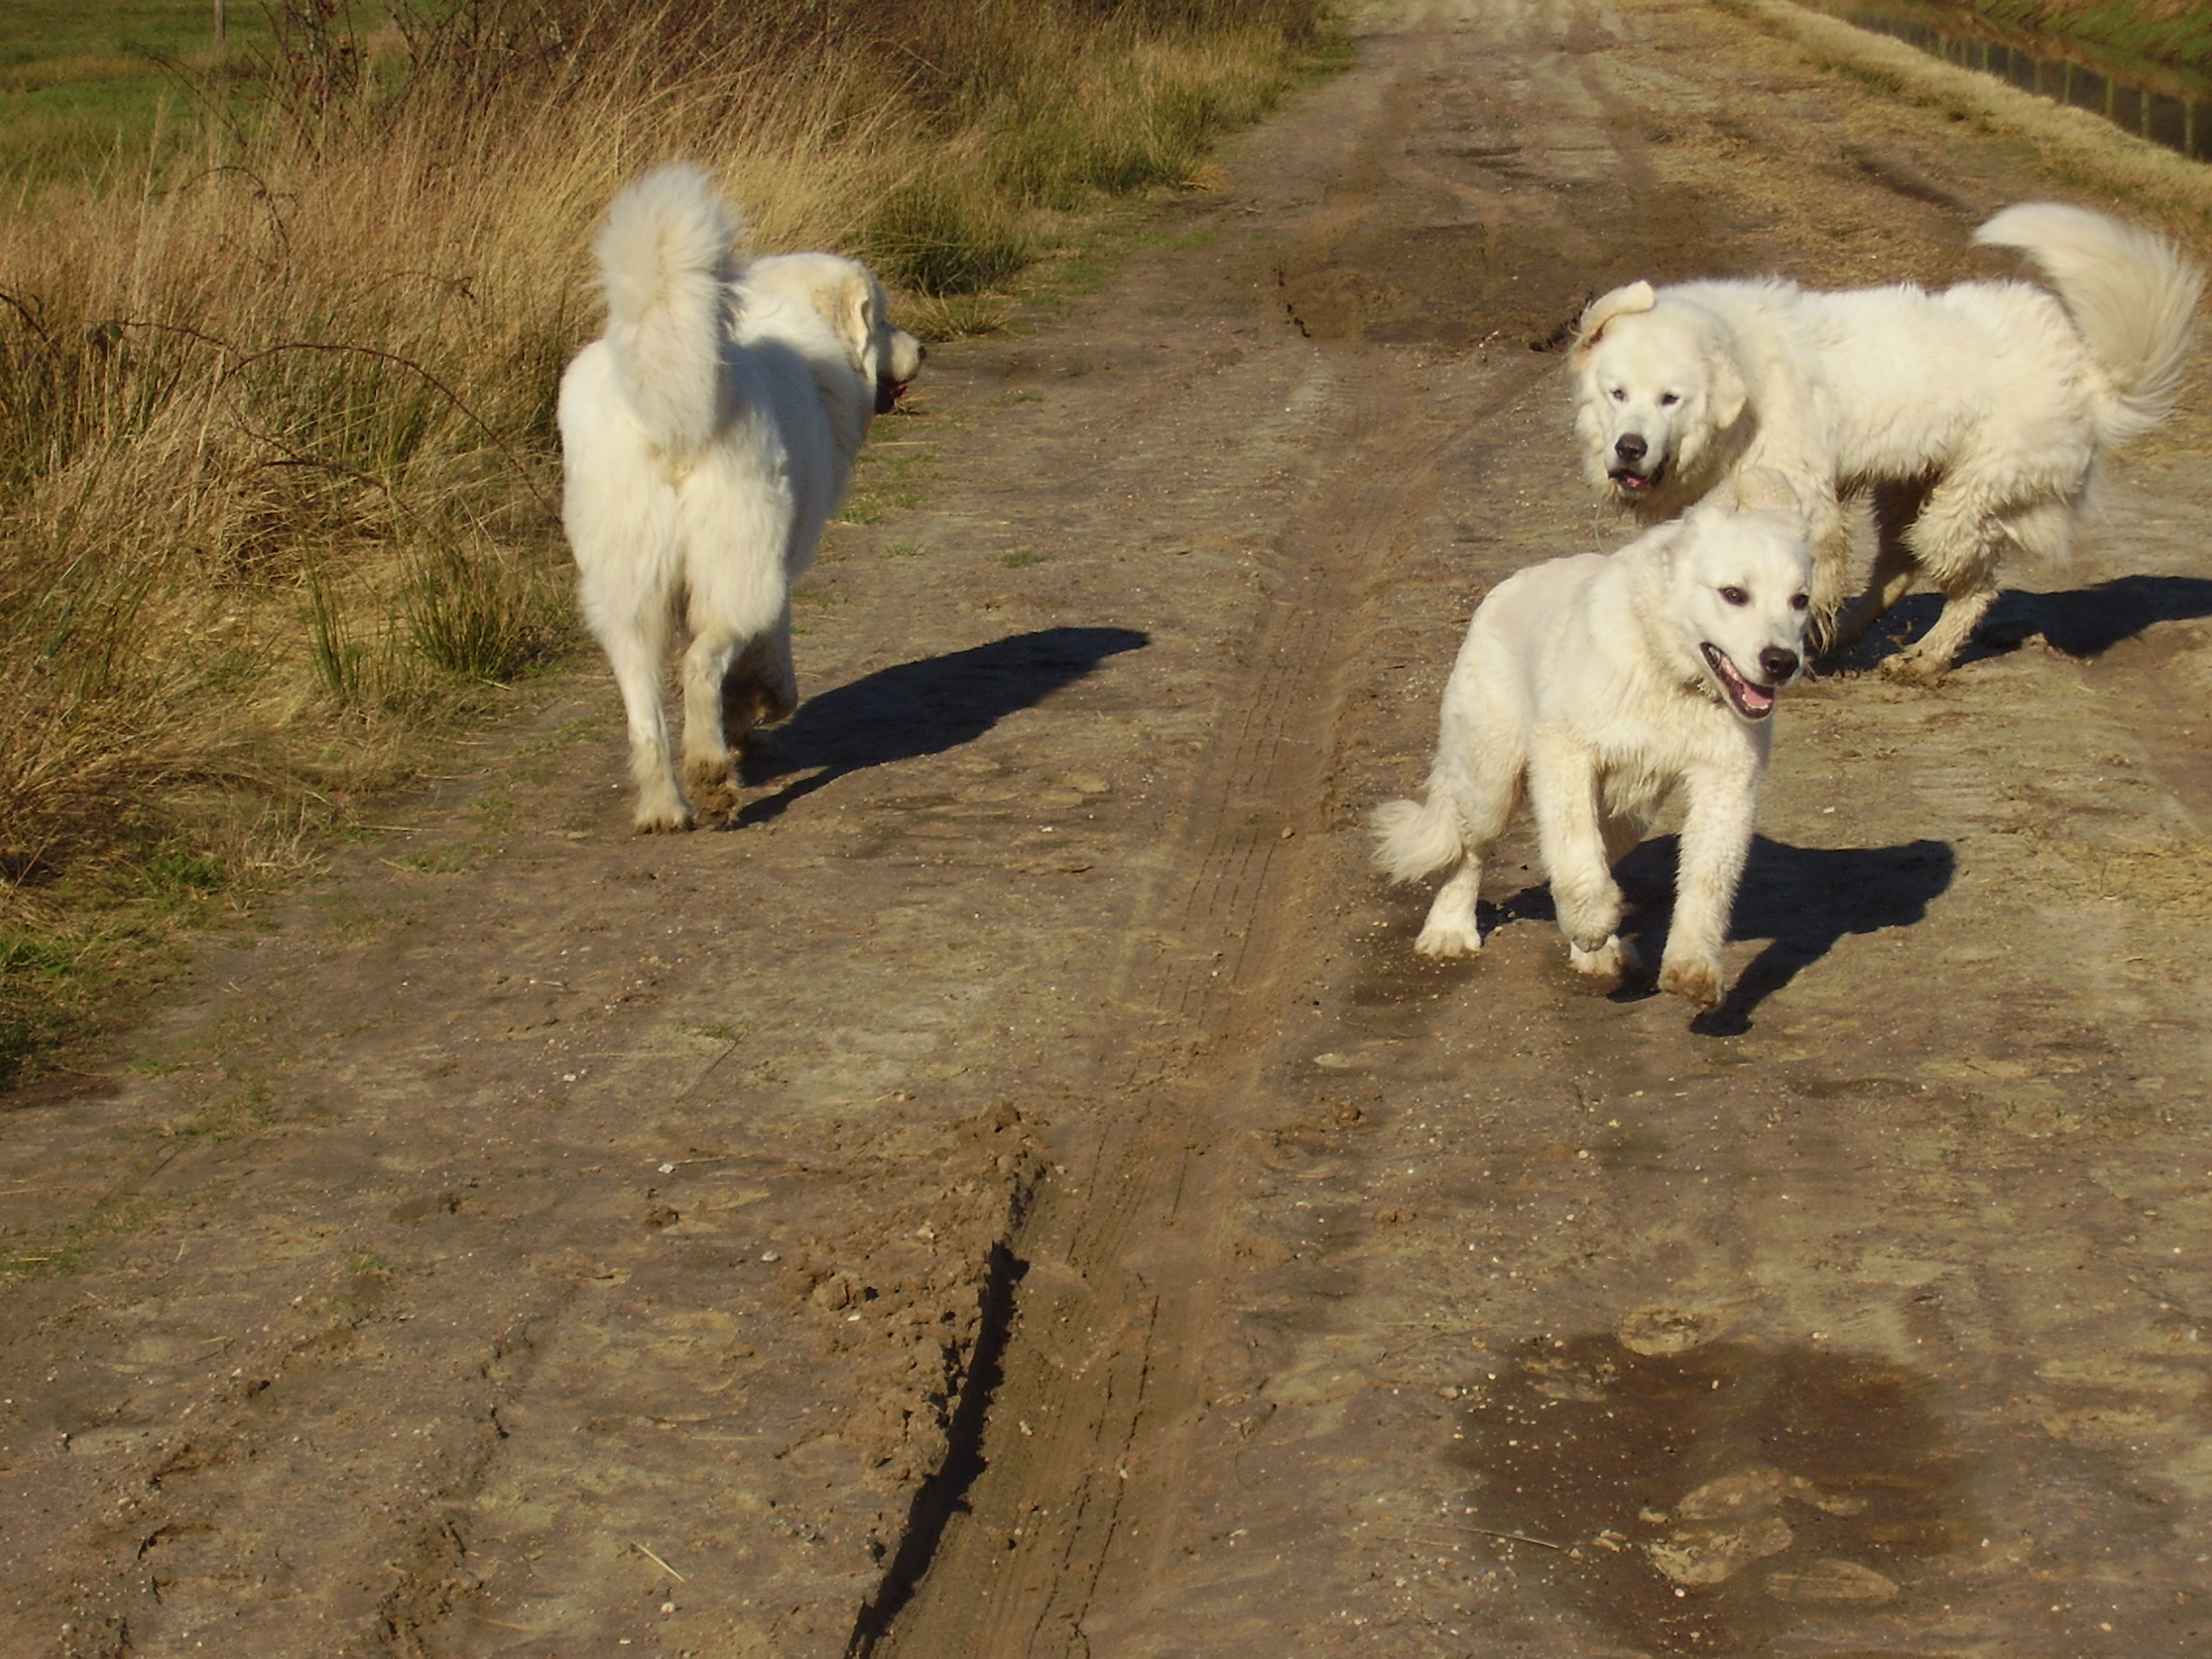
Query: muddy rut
[{"x": 1014, "y": 1191}]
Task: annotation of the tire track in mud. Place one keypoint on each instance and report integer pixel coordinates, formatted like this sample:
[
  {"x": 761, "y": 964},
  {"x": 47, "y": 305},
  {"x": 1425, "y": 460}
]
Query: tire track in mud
[
  {"x": 1104, "y": 1358},
  {"x": 1104, "y": 1365}
]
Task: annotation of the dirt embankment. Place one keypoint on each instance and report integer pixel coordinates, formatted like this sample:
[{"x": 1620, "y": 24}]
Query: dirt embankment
[{"x": 1017, "y": 1193}]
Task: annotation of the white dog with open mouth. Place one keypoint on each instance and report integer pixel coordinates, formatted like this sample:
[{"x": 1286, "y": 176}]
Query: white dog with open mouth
[
  {"x": 706, "y": 439},
  {"x": 1598, "y": 684},
  {"x": 1975, "y": 415}
]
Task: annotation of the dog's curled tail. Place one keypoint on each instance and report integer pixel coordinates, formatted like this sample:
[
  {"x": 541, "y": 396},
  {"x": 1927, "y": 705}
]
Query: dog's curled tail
[
  {"x": 664, "y": 258},
  {"x": 2130, "y": 292},
  {"x": 1413, "y": 839}
]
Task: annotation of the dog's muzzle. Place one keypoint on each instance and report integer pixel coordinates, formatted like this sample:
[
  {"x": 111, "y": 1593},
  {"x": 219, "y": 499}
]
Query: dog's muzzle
[
  {"x": 1747, "y": 696},
  {"x": 890, "y": 387},
  {"x": 1629, "y": 473}
]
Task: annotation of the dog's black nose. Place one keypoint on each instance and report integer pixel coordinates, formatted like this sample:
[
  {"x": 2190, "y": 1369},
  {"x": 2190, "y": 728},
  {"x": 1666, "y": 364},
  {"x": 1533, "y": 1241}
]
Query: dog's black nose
[
  {"x": 1777, "y": 664},
  {"x": 1630, "y": 448}
]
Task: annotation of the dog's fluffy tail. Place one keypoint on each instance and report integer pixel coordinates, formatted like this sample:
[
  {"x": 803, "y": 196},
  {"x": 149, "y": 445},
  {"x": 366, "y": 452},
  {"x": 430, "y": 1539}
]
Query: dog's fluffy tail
[
  {"x": 664, "y": 257},
  {"x": 1413, "y": 839},
  {"x": 2130, "y": 292}
]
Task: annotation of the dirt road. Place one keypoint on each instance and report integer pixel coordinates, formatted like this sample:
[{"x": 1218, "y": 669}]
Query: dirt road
[{"x": 1016, "y": 1192}]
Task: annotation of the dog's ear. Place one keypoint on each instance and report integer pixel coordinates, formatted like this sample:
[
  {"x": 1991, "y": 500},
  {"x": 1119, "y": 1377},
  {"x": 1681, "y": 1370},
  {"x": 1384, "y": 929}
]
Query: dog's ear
[
  {"x": 848, "y": 306},
  {"x": 1621, "y": 302},
  {"x": 1726, "y": 394}
]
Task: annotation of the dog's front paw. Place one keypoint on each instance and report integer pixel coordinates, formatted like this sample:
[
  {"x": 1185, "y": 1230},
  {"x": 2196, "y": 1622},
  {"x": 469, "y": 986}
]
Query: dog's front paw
[
  {"x": 1448, "y": 938},
  {"x": 1911, "y": 668},
  {"x": 1610, "y": 963},
  {"x": 1698, "y": 983},
  {"x": 654, "y": 820},
  {"x": 1593, "y": 914}
]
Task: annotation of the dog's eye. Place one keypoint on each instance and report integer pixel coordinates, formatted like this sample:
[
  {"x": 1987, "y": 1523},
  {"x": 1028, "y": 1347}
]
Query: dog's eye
[
  {"x": 1734, "y": 596},
  {"x": 1799, "y": 600},
  {"x": 1618, "y": 395},
  {"x": 1667, "y": 399}
]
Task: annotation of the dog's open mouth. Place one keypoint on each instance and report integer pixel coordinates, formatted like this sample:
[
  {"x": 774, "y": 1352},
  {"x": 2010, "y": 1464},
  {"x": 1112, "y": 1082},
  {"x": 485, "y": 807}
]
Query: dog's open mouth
[
  {"x": 888, "y": 392},
  {"x": 1751, "y": 700},
  {"x": 1637, "y": 483}
]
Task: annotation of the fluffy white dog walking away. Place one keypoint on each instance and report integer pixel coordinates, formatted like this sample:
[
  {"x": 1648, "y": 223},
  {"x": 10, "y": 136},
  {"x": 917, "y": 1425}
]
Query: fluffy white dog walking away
[
  {"x": 706, "y": 439},
  {"x": 1975, "y": 415},
  {"x": 1598, "y": 684}
]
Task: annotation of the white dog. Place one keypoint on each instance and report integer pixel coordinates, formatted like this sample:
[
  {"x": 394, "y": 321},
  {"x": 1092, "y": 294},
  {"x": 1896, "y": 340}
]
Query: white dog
[
  {"x": 1599, "y": 683},
  {"x": 1976, "y": 414},
  {"x": 706, "y": 439}
]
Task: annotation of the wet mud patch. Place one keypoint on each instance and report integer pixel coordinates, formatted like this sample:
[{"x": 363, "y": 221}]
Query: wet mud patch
[
  {"x": 1514, "y": 272},
  {"x": 1714, "y": 1496}
]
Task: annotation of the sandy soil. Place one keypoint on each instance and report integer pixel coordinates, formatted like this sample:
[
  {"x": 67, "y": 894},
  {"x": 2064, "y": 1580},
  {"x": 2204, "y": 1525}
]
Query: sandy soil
[{"x": 1016, "y": 1192}]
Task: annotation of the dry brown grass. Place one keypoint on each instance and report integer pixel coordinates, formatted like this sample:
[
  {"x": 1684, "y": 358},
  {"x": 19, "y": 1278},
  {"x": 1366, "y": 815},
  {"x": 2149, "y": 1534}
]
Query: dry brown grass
[{"x": 278, "y": 472}]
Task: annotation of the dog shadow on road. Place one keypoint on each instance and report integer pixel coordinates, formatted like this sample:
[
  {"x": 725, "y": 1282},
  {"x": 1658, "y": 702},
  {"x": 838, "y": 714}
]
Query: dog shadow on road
[
  {"x": 1800, "y": 900},
  {"x": 2080, "y": 622},
  {"x": 914, "y": 709}
]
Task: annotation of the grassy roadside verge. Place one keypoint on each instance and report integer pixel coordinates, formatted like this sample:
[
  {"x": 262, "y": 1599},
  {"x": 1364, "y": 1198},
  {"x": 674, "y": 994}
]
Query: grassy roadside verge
[
  {"x": 2078, "y": 151},
  {"x": 2165, "y": 31},
  {"x": 277, "y": 473}
]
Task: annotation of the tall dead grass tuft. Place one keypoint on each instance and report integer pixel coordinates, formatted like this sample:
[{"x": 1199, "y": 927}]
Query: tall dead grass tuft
[{"x": 278, "y": 471}]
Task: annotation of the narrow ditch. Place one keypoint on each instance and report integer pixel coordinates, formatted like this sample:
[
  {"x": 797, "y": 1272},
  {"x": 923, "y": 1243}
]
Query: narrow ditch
[
  {"x": 2167, "y": 105},
  {"x": 944, "y": 1494}
]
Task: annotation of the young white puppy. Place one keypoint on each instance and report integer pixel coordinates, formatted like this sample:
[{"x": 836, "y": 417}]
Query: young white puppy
[
  {"x": 1975, "y": 415},
  {"x": 1598, "y": 684},
  {"x": 706, "y": 439}
]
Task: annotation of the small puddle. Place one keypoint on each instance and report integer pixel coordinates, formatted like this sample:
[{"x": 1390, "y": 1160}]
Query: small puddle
[
  {"x": 2177, "y": 115},
  {"x": 1712, "y": 1496}
]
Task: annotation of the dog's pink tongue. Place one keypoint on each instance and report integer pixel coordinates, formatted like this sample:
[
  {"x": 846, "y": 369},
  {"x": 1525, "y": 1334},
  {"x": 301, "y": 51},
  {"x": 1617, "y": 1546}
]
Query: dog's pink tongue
[{"x": 1753, "y": 700}]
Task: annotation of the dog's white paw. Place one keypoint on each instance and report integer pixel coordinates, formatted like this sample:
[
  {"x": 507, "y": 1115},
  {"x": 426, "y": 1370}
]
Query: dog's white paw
[
  {"x": 1448, "y": 938},
  {"x": 661, "y": 809},
  {"x": 1911, "y": 668},
  {"x": 1699, "y": 983},
  {"x": 1611, "y": 960}
]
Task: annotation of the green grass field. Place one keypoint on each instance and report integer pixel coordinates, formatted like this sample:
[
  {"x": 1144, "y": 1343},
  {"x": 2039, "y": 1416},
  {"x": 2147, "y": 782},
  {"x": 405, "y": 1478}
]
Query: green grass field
[{"x": 77, "y": 80}]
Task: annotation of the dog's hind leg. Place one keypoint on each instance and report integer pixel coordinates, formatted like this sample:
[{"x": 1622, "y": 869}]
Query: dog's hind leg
[
  {"x": 1896, "y": 505},
  {"x": 761, "y": 686},
  {"x": 1965, "y": 603},
  {"x": 1958, "y": 543},
  {"x": 706, "y": 666},
  {"x": 626, "y": 595},
  {"x": 636, "y": 654},
  {"x": 1449, "y": 928},
  {"x": 1480, "y": 785},
  {"x": 737, "y": 522}
]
